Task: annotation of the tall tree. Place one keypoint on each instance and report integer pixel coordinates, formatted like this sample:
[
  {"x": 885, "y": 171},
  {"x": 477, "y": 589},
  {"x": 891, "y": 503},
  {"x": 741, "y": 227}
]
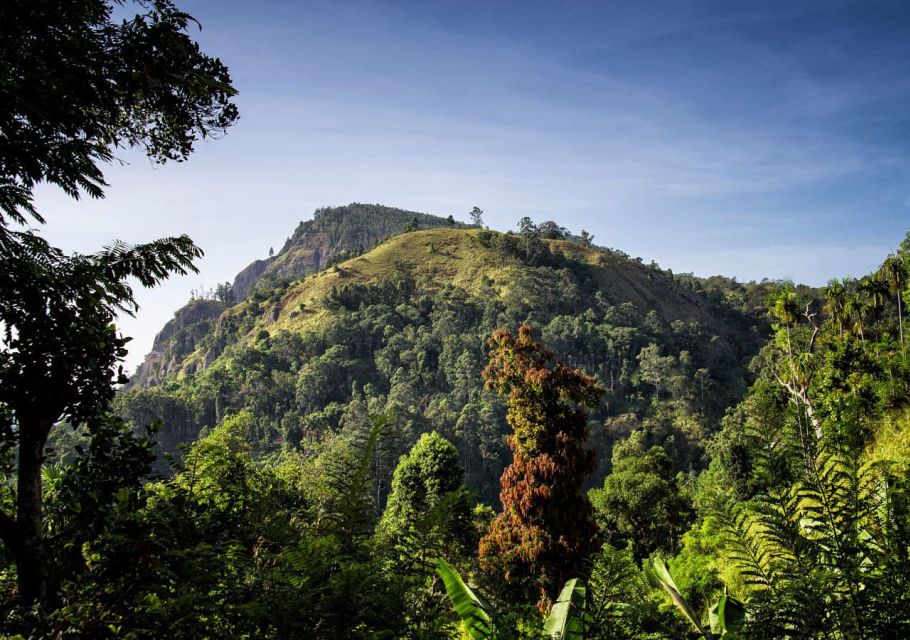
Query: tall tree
[
  {"x": 427, "y": 517},
  {"x": 476, "y": 215},
  {"x": 894, "y": 273},
  {"x": 836, "y": 302},
  {"x": 857, "y": 310},
  {"x": 546, "y": 529},
  {"x": 875, "y": 293},
  {"x": 783, "y": 307},
  {"x": 59, "y": 358},
  {"x": 75, "y": 86},
  {"x": 427, "y": 501},
  {"x": 529, "y": 233},
  {"x": 793, "y": 370},
  {"x": 655, "y": 369}
]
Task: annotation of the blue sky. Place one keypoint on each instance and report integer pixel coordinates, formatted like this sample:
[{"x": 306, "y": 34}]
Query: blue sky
[{"x": 757, "y": 139}]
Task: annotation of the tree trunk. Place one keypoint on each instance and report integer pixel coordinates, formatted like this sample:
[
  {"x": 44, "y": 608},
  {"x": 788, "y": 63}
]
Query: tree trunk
[
  {"x": 30, "y": 561},
  {"x": 900, "y": 317},
  {"x": 810, "y": 413},
  {"x": 800, "y": 395}
]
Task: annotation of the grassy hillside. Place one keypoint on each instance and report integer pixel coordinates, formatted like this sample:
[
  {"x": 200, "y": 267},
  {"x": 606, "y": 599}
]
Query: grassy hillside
[
  {"x": 332, "y": 235},
  {"x": 401, "y": 330},
  {"x": 469, "y": 259}
]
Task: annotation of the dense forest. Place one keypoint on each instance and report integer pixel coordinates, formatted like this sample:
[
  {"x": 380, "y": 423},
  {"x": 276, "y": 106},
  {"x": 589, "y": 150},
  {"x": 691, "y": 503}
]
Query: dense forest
[
  {"x": 401, "y": 331},
  {"x": 771, "y": 506},
  {"x": 409, "y": 426}
]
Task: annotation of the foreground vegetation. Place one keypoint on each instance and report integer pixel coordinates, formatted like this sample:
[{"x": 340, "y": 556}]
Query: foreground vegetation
[{"x": 797, "y": 526}]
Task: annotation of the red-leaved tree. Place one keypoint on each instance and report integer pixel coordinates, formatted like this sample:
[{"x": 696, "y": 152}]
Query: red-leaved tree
[{"x": 546, "y": 528}]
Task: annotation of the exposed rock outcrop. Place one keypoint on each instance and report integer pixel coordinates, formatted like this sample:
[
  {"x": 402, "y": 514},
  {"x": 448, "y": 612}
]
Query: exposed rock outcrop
[
  {"x": 177, "y": 339},
  {"x": 334, "y": 234}
]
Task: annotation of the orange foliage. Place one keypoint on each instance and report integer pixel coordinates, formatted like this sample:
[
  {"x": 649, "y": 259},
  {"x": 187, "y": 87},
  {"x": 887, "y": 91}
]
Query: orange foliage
[{"x": 546, "y": 529}]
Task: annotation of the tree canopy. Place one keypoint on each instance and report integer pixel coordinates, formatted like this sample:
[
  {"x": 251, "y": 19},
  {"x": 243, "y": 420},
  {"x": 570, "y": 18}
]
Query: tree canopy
[
  {"x": 546, "y": 529},
  {"x": 77, "y": 85}
]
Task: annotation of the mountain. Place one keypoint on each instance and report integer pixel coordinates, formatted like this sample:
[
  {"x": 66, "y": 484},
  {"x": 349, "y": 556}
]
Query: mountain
[
  {"x": 401, "y": 330},
  {"x": 333, "y": 234},
  {"x": 177, "y": 339}
]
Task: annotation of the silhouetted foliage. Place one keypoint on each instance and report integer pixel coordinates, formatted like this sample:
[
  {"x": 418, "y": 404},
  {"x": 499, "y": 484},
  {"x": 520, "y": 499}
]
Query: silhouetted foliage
[
  {"x": 72, "y": 93},
  {"x": 76, "y": 86}
]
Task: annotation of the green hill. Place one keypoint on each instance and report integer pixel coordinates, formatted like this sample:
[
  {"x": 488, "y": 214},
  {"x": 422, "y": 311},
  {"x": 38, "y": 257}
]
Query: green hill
[
  {"x": 400, "y": 329},
  {"x": 334, "y": 234}
]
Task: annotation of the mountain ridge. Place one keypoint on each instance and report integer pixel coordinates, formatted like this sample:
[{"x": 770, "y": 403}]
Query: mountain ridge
[
  {"x": 332, "y": 234},
  {"x": 400, "y": 329}
]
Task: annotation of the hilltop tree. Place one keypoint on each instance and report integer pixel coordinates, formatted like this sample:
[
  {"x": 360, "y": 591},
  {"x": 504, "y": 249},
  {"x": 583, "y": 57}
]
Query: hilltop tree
[
  {"x": 546, "y": 529},
  {"x": 476, "y": 215},
  {"x": 224, "y": 293},
  {"x": 527, "y": 228},
  {"x": 529, "y": 234},
  {"x": 552, "y": 231},
  {"x": 587, "y": 239},
  {"x": 76, "y": 86}
]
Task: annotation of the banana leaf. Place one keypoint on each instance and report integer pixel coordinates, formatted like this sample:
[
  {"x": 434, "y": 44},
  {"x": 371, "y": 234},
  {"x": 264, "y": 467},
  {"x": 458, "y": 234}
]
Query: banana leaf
[
  {"x": 567, "y": 617},
  {"x": 726, "y": 614},
  {"x": 474, "y": 611},
  {"x": 666, "y": 581}
]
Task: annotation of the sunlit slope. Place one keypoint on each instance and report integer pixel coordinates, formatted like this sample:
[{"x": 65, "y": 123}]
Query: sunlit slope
[{"x": 469, "y": 259}]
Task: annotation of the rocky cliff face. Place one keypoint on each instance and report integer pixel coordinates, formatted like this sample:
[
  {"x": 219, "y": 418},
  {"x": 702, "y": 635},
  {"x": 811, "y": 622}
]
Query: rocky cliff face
[
  {"x": 245, "y": 280},
  {"x": 177, "y": 339},
  {"x": 334, "y": 234}
]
